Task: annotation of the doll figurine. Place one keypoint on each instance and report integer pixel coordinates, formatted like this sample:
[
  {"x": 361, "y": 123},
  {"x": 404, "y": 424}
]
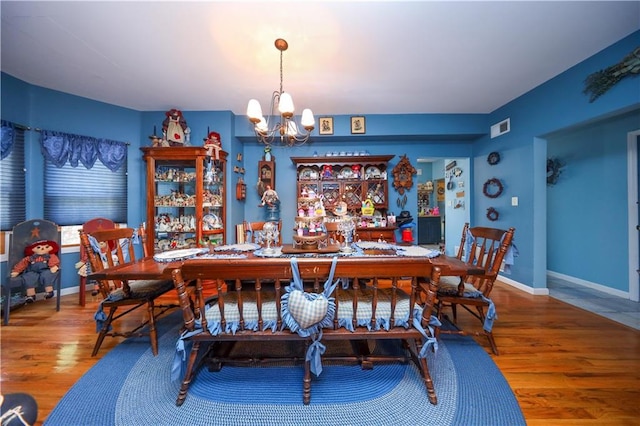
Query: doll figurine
[
  {"x": 213, "y": 145},
  {"x": 270, "y": 197},
  {"x": 39, "y": 267},
  {"x": 173, "y": 128}
]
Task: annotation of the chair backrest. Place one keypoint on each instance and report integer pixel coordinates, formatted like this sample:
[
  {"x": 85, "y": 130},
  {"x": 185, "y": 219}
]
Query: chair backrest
[
  {"x": 120, "y": 250},
  {"x": 486, "y": 247},
  {"x": 252, "y": 236},
  {"x": 92, "y": 225},
  {"x": 28, "y": 232}
]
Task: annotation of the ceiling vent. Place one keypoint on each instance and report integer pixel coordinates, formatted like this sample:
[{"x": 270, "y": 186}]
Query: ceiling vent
[{"x": 501, "y": 128}]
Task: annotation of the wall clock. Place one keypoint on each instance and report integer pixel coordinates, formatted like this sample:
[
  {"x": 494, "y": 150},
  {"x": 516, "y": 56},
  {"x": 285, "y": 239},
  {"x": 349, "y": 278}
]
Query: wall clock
[{"x": 403, "y": 175}]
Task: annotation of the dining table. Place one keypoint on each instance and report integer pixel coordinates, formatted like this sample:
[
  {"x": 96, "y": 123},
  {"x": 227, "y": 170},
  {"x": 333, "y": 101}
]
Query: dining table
[{"x": 162, "y": 265}]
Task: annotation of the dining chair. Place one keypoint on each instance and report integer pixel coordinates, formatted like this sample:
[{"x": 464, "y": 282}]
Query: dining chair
[
  {"x": 126, "y": 294},
  {"x": 89, "y": 226},
  {"x": 251, "y": 236},
  {"x": 24, "y": 235},
  {"x": 479, "y": 246}
]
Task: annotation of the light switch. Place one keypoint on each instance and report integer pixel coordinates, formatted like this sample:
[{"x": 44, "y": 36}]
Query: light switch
[{"x": 514, "y": 201}]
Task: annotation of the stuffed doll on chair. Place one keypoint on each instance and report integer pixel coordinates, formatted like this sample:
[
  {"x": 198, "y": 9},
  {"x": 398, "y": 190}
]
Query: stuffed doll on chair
[{"x": 39, "y": 267}]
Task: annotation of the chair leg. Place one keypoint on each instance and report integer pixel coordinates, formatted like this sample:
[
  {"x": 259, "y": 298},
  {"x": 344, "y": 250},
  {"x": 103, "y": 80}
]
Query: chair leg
[
  {"x": 7, "y": 304},
  {"x": 153, "y": 333},
  {"x": 492, "y": 342},
  {"x": 104, "y": 331}
]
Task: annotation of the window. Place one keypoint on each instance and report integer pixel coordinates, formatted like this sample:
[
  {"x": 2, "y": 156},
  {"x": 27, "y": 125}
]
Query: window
[
  {"x": 73, "y": 195},
  {"x": 12, "y": 174}
]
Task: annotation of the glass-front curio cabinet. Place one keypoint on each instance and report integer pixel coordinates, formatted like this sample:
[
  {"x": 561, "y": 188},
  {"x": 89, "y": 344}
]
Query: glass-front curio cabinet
[{"x": 185, "y": 198}]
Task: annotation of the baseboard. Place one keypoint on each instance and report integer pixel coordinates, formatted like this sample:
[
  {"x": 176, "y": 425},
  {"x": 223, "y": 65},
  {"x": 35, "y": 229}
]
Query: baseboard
[
  {"x": 523, "y": 287},
  {"x": 589, "y": 284}
]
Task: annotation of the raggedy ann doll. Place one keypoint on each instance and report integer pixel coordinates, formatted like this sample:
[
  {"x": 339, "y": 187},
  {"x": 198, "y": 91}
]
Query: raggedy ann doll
[{"x": 39, "y": 267}]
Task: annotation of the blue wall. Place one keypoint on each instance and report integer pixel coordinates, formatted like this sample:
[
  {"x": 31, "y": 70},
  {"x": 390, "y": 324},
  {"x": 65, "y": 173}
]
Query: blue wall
[
  {"x": 555, "y": 105},
  {"x": 593, "y": 185},
  {"x": 549, "y": 108}
]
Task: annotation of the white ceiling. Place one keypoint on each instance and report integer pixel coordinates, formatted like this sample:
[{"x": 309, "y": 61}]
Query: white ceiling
[{"x": 344, "y": 57}]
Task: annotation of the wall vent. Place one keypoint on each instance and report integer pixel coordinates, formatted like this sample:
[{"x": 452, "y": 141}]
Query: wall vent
[{"x": 501, "y": 128}]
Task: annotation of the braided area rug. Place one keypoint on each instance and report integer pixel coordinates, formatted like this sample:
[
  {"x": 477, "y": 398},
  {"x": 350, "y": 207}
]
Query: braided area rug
[{"x": 129, "y": 386}]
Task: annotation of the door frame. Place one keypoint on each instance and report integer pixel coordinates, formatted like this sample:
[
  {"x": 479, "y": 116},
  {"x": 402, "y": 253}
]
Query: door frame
[{"x": 633, "y": 209}]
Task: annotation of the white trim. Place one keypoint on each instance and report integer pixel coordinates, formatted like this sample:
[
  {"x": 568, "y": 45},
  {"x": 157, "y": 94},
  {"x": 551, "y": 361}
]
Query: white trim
[
  {"x": 527, "y": 289},
  {"x": 589, "y": 284},
  {"x": 632, "y": 214}
]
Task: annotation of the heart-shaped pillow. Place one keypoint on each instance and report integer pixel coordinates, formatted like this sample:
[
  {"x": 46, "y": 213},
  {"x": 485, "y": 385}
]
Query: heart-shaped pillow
[{"x": 307, "y": 310}]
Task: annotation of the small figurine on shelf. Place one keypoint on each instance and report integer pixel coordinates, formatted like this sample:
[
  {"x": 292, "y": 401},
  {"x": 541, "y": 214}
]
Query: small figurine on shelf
[
  {"x": 39, "y": 267},
  {"x": 267, "y": 153},
  {"x": 213, "y": 145},
  {"x": 270, "y": 197},
  {"x": 173, "y": 128},
  {"x": 327, "y": 171},
  {"x": 156, "y": 141},
  {"x": 355, "y": 169}
]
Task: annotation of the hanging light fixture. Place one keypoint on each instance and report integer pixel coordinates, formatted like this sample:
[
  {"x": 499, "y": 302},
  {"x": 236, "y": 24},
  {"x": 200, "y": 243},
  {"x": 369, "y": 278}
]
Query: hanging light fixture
[{"x": 286, "y": 131}]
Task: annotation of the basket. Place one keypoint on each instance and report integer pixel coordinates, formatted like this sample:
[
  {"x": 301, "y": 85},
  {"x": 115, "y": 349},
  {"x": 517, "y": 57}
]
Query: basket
[{"x": 367, "y": 208}]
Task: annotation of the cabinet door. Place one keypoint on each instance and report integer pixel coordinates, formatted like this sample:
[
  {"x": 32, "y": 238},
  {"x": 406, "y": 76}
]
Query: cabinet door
[
  {"x": 331, "y": 193},
  {"x": 175, "y": 203},
  {"x": 377, "y": 192},
  {"x": 352, "y": 194}
]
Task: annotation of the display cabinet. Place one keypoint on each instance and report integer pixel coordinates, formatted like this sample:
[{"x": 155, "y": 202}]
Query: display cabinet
[
  {"x": 353, "y": 180},
  {"x": 185, "y": 198}
]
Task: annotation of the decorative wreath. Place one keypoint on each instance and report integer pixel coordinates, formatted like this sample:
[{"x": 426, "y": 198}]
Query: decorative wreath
[
  {"x": 490, "y": 183},
  {"x": 493, "y": 158},
  {"x": 492, "y": 214}
]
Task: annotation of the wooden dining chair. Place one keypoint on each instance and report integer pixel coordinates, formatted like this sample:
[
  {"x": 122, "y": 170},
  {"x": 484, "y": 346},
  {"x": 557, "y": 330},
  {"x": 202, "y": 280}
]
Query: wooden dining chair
[
  {"x": 479, "y": 246},
  {"x": 125, "y": 296},
  {"x": 251, "y": 236},
  {"x": 89, "y": 226}
]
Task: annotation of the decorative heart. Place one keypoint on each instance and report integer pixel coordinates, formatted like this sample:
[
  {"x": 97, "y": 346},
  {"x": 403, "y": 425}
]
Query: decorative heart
[{"x": 305, "y": 311}]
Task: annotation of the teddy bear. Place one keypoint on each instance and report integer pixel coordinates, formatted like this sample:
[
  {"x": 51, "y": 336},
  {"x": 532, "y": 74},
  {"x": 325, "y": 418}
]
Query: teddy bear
[{"x": 39, "y": 267}]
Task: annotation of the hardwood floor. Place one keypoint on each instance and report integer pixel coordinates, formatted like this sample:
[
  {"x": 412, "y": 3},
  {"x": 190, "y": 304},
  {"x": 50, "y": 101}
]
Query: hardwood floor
[{"x": 565, "y": 365}]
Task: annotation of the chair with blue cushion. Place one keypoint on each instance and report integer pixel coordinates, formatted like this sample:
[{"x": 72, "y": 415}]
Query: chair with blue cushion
[
  {"x": 125, "y": 296},
  {"x": 24, "y": 235},
  {"x": 480, "y": 246}
]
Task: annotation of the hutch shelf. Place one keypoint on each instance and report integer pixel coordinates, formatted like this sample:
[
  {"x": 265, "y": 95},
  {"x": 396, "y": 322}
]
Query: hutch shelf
[{"x": 353, "y": 180}]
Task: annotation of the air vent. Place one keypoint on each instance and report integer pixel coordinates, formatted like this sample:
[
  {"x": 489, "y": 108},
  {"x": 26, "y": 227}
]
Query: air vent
[{"x": 501, "y": 128}]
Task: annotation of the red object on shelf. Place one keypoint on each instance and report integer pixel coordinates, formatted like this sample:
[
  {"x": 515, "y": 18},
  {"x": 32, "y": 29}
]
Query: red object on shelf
[{"x": 407, "y": 235}]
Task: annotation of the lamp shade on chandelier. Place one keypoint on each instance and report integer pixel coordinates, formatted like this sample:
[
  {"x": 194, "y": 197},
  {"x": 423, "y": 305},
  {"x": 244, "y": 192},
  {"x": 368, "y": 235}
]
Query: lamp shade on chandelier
[{"x": 285, "y": 131}]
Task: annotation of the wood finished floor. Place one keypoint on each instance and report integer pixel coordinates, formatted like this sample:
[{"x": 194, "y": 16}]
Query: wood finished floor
[{"x": 565, "y": 365}]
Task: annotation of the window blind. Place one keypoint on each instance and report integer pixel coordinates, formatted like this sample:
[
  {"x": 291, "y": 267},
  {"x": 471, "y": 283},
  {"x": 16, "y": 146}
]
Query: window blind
[
  {"x": 73, "y": 195},
  {"x": 12, "y": 186}
]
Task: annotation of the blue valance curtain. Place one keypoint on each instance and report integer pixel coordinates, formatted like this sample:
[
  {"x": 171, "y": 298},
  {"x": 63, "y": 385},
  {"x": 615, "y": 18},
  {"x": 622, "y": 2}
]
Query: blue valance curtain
[
  {"x": 8, "y": 138},
  {"x": 59, "y": 147}
]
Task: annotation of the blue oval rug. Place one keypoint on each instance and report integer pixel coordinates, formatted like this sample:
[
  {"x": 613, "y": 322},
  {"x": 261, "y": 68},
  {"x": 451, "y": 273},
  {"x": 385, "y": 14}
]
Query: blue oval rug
[{"x": 129, "y": 386}]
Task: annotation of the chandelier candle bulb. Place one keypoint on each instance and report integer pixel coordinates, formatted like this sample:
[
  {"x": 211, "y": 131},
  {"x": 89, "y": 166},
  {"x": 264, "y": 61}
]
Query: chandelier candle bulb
[{"x": 254, "y": 111}]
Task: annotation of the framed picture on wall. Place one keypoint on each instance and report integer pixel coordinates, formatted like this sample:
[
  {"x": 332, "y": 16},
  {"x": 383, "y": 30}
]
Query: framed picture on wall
[
  {"x": 358, "y": 125},
  {"x": 326, "y": 126}
]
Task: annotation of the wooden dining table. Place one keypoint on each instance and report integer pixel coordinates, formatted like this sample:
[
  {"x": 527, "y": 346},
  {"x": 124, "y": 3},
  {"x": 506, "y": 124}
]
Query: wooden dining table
[{"x": 149, "y": 268}]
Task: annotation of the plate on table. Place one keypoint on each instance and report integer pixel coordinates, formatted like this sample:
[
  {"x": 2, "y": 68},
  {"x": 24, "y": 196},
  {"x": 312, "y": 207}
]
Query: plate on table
[
  {"x": 177, "y": 255},
  {"x": 238, "y": 247},
  {"x": 277, "y": 252},
  {"x": 416, "y": 251}
]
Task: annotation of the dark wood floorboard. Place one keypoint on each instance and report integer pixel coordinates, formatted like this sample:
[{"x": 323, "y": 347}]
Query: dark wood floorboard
[{"x": 565, "y": 365}]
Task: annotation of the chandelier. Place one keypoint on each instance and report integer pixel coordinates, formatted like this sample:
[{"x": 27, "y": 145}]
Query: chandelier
[{"x": 286, "y": 130}]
